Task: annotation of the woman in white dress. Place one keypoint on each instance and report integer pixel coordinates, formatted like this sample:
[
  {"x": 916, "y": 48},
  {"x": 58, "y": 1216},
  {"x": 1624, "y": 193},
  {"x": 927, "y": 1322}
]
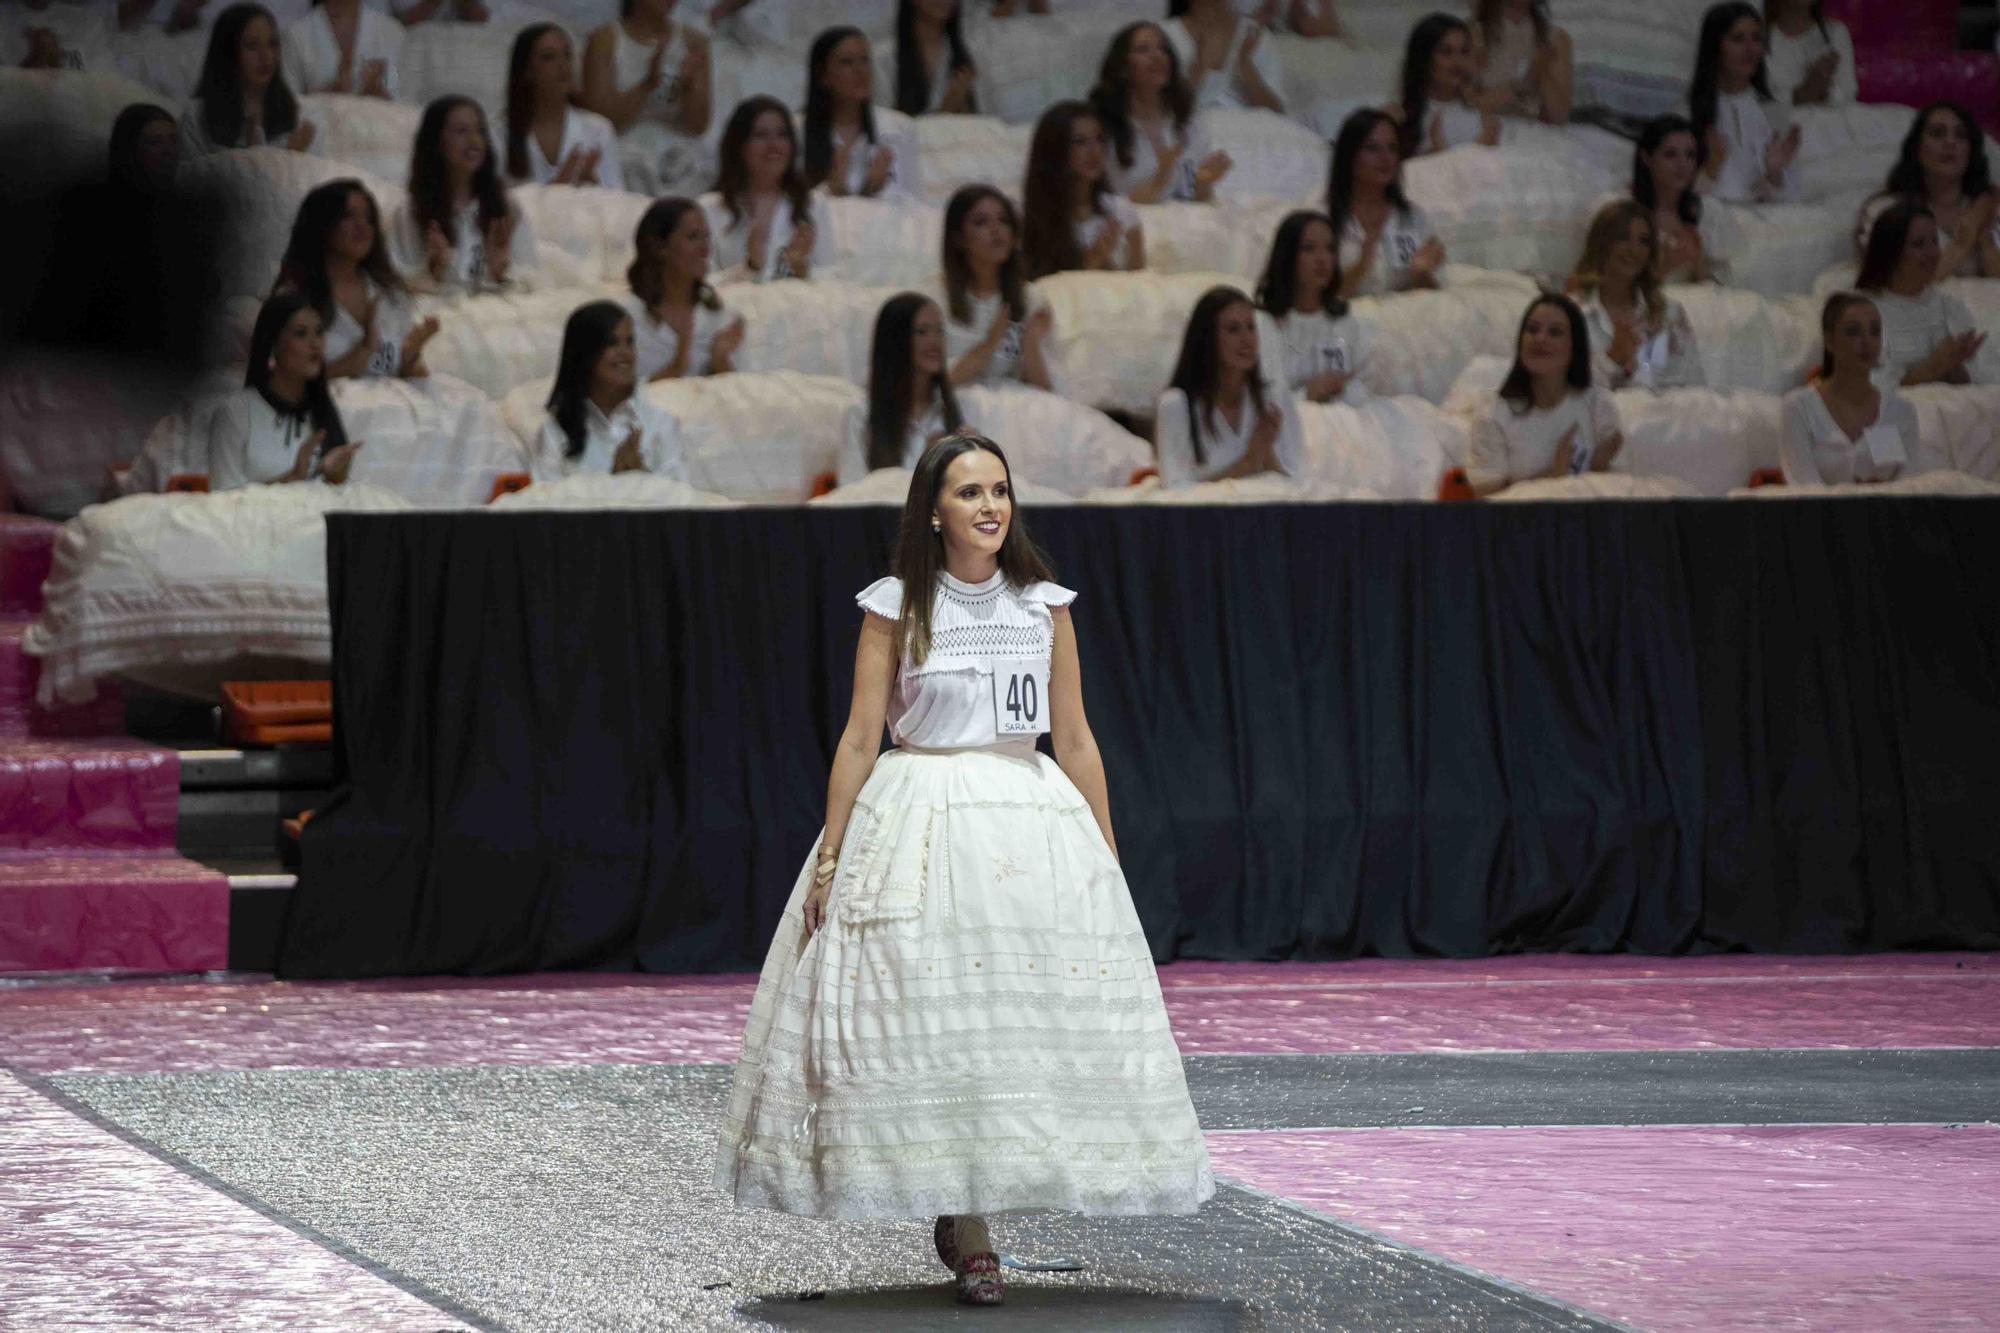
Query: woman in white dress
[
  {"x": 1437, "y": 85},
  {"x": 1943, "y": 166},
  {"x": 1386, "y": 242},
  {"x": 852, "y": 147},
  {"x": 996, "y": 325},
  {"x": 1928, "y": 336},
  {"x": 550, "y": 139},
  {"x": 1071, "y": 219},
  {"x": 935, "y": 73},
  {"x": 1748, "y": 136},
  {"x": 1548, "y": 420},
  {"x": 679, "y": 325},
  {"x": 283, "y": 425},
  {"x": 1160, "y": 146},
  {"x": 1809, "y": 56},
  {"x": 1846, "y": 428},
  {"x": 1218, "y": 420},
  {"x": 1665, "y": 163},
  {"x": 242, "y": 99},
  {"x": 760, "y": 212},
  {"x": 959, "y": 1014},
  {"x": 457, "y": 230},
  {"x": 1639, "y": 338},
  {"x": 598, "y": 422},
  {"x": 1228, "y": 60},
  {"x": 337, "y": 257},
  {"x": 1326, "y": 345},
  {"x": 650, "y": 77},
  {"x": 910, "y": 404},
  {"x": 1525, "y": 62},
  {"x": 343, "y": 46}
]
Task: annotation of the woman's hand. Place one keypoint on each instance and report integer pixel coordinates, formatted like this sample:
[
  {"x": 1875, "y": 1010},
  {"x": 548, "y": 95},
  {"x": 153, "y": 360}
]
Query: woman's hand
[
  {"x": 1565, "y": 452},
  {"x": 302, "y": 462},
  {"x": 499, "y": 247},
  {"x": 337, "y": 463},
  {"x": 1718, "y": 153},
  {"x": 437, "y": 251},
  {"x": 880, "y": 162},
  {"x": 798, "y": 252},
  {"x": 301, "y": 138},
  {"x": 374, "y": 78},
  {"x": 1326, "y": 386},
  {"x": 1263, "y": 446},
  {"x": 722, "y": 352},
  {"x": 631, "y": 455},
  {"x": 410, "y": 364},
  {"x": 1779, "y": 154},
  {"x": 1426, "y": 262},
  {"x": 1108, "y": 241}
]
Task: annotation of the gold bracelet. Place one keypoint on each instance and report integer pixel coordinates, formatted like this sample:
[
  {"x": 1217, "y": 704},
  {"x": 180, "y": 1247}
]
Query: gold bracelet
[{"x": 829, "y": 859}]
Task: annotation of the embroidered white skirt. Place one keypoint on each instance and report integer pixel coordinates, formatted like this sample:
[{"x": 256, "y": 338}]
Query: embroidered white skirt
[{"x": 977, "y": 1028}]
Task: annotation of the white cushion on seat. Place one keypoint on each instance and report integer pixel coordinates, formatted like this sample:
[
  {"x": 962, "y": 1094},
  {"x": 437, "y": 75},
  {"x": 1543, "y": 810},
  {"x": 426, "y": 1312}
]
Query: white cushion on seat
[
  {"x": 622, "y": 490},
  {"x": 1052, "y": 442}
]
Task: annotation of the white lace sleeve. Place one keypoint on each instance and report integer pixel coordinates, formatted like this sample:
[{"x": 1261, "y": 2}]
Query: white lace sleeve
[
  {"x": 884, "y": 598},
  {"x": 1048, "y": 594}
]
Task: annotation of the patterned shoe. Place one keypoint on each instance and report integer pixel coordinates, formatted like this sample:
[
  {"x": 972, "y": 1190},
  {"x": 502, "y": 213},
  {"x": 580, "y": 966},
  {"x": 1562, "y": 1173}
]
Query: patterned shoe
[
  {"x": 979, "y": 1281},
  {"x": 945, "y": 1236}
]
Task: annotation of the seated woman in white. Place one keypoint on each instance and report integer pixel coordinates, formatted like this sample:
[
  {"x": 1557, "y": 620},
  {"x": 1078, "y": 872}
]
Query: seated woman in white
[
  {"x": 283, "y": 425},
  {"x": 1227, "y": 59},
  {"x": 242, "y": 99},
  {"x": 910, "y": 403},
  {"x": 649, "y": 76},
  {"x": 1943, "y": 166},
  {"x": 1665, "y": 162},
  {"x": 760, "y": 212},
  {"x": 1846, "y": 428},
  {"x": 1810, "y": 57},
  {"x": 853, "y": 147},
  {"x": 1160, "y": 147},
  {"x": 1547, "y": 420},
  {"x": 935, "y": 73},
  {"x": 1386, "y": 242},
  {"x": 598, "y": 422},
  {"x": 550, "y": 139},
  {"x": 1928, "y": 336},
  {"x": 457, "y": 230},
  {"x": 1525, "y": 62},
  {"x": 1639, "y": 338},
  {"x": 337, "y": 258},
  {"x": 1070, "y": 217},
  {"x": 1218, "y": 419},
  {"x": 1748, "y": 135},
  {"x": 343, "y": 46},
  {"x": 995, "y": 323},
  {"x": 1325, "y": 344},
  {"x": 679, "y": 325},
  {"x": 74, "y": 35},
  {"x": 1437, "y": 110}
]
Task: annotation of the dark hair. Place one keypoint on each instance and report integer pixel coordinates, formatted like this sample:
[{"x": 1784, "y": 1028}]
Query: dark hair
[
  {"x": 958, "y": 273},
  {"x": 1277, "y": 290},
  {"x": 1829, "y": 315},
  {"x": 1518, "y": 390},
  {"x": 889, "y": 381},
  {"x": 220, "y": 88},
  {"x": 1704, "y": 88},
  {"x": 1818, "y": 15},
  {"x": 920, "y": 548},
  {"x": 123, "y": 157},
  {"x": 1195, "y": 372},
  {"x": 1611, "y": 225},
  {"x": 647, "y": 274},
  {"x": 732, "y": 178},
  {"x": 1886, "y": 241},
  {"x": 913, "y": 81},
  {"x": 317, "y": 405},
  {"x": 430, "y": 184},
  {"x": 1417, "y": 56},
  {"x": 1048, "y": 232},
  {"x": 1658, "y": 130},
  {"x": 586, "y": 334},
  {"x": 521, "y": 98},
  {"x": 1112, "y": 94},
  {"x": 1906, "y": 178},
  {"x": 1487, "y": 14},
  {"x": 1354, "y": 132},
  {"x": 818, "y": 127},
  {"x": 304, "y": 264}
]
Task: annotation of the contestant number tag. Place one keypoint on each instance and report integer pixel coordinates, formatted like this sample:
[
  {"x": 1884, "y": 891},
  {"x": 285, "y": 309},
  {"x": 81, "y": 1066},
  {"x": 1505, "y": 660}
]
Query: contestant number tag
[{"x": 1020, "y": 697}]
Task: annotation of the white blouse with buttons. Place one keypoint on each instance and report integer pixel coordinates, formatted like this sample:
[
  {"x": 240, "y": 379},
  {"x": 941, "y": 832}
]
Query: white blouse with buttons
[{"x": 603, "y": 435}]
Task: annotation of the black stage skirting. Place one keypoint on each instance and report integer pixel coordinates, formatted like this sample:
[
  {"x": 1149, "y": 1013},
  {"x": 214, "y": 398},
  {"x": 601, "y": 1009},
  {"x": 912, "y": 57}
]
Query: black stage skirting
[{"x": 600, "y": 740}]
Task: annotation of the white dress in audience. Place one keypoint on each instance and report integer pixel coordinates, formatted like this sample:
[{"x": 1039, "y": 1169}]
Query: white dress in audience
[
  {"x": 1509, "y": 446},
  {"x": 1668, "y": 356},
  {"x": 1319, "y": 342},
  {"x": 84, "y": 33},
  {"x": 1221, "y": 87},
  {"x": 1749, "y": 125},
  {"x": 655, "y": 343},
  {"x": 311, "y": 53},
  {"x": 730, "y": 241},
  {"x": 1127, "y": 214},
  {"x": 1222, "y": 444},
  {"x": 1509, "y": 61},
  {"x": 895, "y": 132},
  {"x": 1968, "y": 267},
  {"x": 1403, "y": 234},
  {"x": 854, "y": 434},
  {"x": 1912, "y": 326},
  {"x": 1193, "y": 141},
  {"x": 582, "y": 130},
  {"x": 1005, "y": 363},
  {"x": 1814, "y": 450},
  {"x": 250, "y": 441},
  {"x": 603, "y": 435},
  {"x": 195, "y": 141},
  {"x": 468, "y": 272},
  {"x": 1451, "y": 124},
  {"x": 659, "y": 157},
  {"x": 1786, "y": 60},
  {"x": 393, "y": 321}
]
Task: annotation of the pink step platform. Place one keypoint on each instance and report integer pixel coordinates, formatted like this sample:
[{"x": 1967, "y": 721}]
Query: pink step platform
[
  {"x": 1907, "y": 53},
  {"x": 89, "y": 879}
]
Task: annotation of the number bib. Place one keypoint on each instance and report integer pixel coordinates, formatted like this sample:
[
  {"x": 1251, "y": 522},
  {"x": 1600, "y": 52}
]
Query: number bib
[{"x": 1020, "y": 696}]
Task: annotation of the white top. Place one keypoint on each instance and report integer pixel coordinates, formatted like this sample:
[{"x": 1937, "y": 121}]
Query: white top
[
  {"x": 895, "y": 132},
  {"x": 976, "y": 629},
  {"x": 1403, "y": 234},
  {"x": 1509, "y": 60},
  {"x": 1005, "y": 363},
  {"x": 84, "y": 31},
  {"x": 1450, "y": 124},
  {"x": 1111, "y": 206},
  {"x": 631, "y": 59},
  {"x": 1507, "y": 446},
  {"x": 1668, "y": 356},
  {"x": 466, "y": 270},
  {"x": 730, "y": 242},
  {"x": 1913, "y": 325},
  {"x": 1875, "y": 207},
  {"x": 1319, "y": 342},
  {"x": 582, "y": 130},
  {"x": 196, "y": 143},
  {"x": 1193, "y": 141},
  {"x": 250, "y": 442},
  {"x": 603, "y": 435},
  {"x": 311, "y": 53},
  {"x": 393, "y": 321},
  {"x": 1786, "y": 60},
  {"x": 1815, "y": 451},
  {"x": 1221, "y": 87},
  {"x": 656, "y": 343},
  {"x": 1222, "y": 444},
  {"x": 1749, "y": 125},
  {"x": 854, "y": 439}
]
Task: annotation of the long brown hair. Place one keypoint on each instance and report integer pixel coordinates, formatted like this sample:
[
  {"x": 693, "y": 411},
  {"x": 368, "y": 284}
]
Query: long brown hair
[
  {"x": 732, "y": 178},
  {"x": 920, "y": 548},
  {"x": 958, "y": 269},
  {"x": 1611, "y": 225},
  {"x": 1048, "y": 232}
]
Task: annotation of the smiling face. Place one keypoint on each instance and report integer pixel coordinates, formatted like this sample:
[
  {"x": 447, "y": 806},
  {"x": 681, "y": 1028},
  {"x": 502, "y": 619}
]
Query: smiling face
[
  {"x": 1236, "y": 337},
  {"x": 1919, "y": 260},
  {"x": 300, "y": 352},
  {"x": 1742, "y": 51},
  {"x": 257, "y": 55},
  {"x": 1451, "y": 65},
  {"x": 849, "y": 77},
  {"x": 1379, "y": 159},
  {"x": 986, "y": 236},
  {"x": 1855, "y": 341},
  {"x": 464, "y": 141},
  {"x": 1627, "y": 257},
  {"x": 687, "y": 248},
  {"x": 1545, "y": 342},
  {"x": 354, "y": 235},
  {"x": 926, "y": 348},
  {"x": 1086, "y": 149},
  {"x": 614, "y": 374},
  {"x": 975, "y": 505},
  {"x": 767, "y": 153},
  {"x": 1945, "y": 148},
  {"x": 1672, "y": 165},
  {"x": 551, "y": 68},
  {"x": 1146, "y": 67},
  {"x": 1312, "y": 272}
]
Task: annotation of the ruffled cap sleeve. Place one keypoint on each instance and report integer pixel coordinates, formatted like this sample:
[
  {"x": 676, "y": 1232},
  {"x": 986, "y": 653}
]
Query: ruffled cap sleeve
[
  {"x": 884, "y": 597},
  {"x": 1048, "y": 594}
]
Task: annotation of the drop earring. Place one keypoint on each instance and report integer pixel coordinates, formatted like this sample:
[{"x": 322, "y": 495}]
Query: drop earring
[{"x": 935, "y": 525}]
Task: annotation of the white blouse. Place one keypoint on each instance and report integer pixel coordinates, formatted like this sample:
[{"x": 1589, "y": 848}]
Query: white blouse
[
  {"x": 1749, "y": 125},
  {"x": 393, "y": 322},
  {"x": 1912, "y": 326},
  {"x": 854, "y": 435},
  {"x": 1509, "y": 446},
  {"x": 1319, "y": 342},
  {"x": 1005, "y": 363},
  {"x": 730, "y": 242},
  {"x": 977, "y": 631},
  {"x": 1403, "y": 234},
  {"x": 1222, "y": 444},
  {"x": 1668, "y": 356},
  {"x": 196, "y": 143},
  {"x": 1111, "y": 206},
  {"x": 895, "y": 132},
  {"x": 466, "y": 271},
  {"x": 1221, "y": 87},
  {"x": 311, "y": 52},
  {"x": 250, "y": 442},
  {"x": 630, "y": 60},
  {"x": 1193, "y": 141},
  {"x": 659, "y": 445},
  {"x": 1450, "y": 125},
  {"x": 582, "y": 131},
  {"x": 656, "y": 343},
  {"x": 1786, "y": 60},
  {"x": 1815, "y": 451}
]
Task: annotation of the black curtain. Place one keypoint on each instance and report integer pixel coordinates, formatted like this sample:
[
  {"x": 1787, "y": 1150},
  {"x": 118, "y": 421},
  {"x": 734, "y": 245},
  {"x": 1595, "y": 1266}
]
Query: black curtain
[{"x": 600, "y": 740}]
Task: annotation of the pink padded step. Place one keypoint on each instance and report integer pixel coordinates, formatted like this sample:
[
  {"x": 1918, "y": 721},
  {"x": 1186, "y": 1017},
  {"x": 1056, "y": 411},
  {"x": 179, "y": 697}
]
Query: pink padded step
[
  {"x": 1916, "y": 78},
  {"x": 1910, "y": 25},
  {"x": 88, "y": 796},
  {"x": 81, "y": 911},
  {"x": 20, "y": 715},
  {"x": 26, "y": 546}
]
